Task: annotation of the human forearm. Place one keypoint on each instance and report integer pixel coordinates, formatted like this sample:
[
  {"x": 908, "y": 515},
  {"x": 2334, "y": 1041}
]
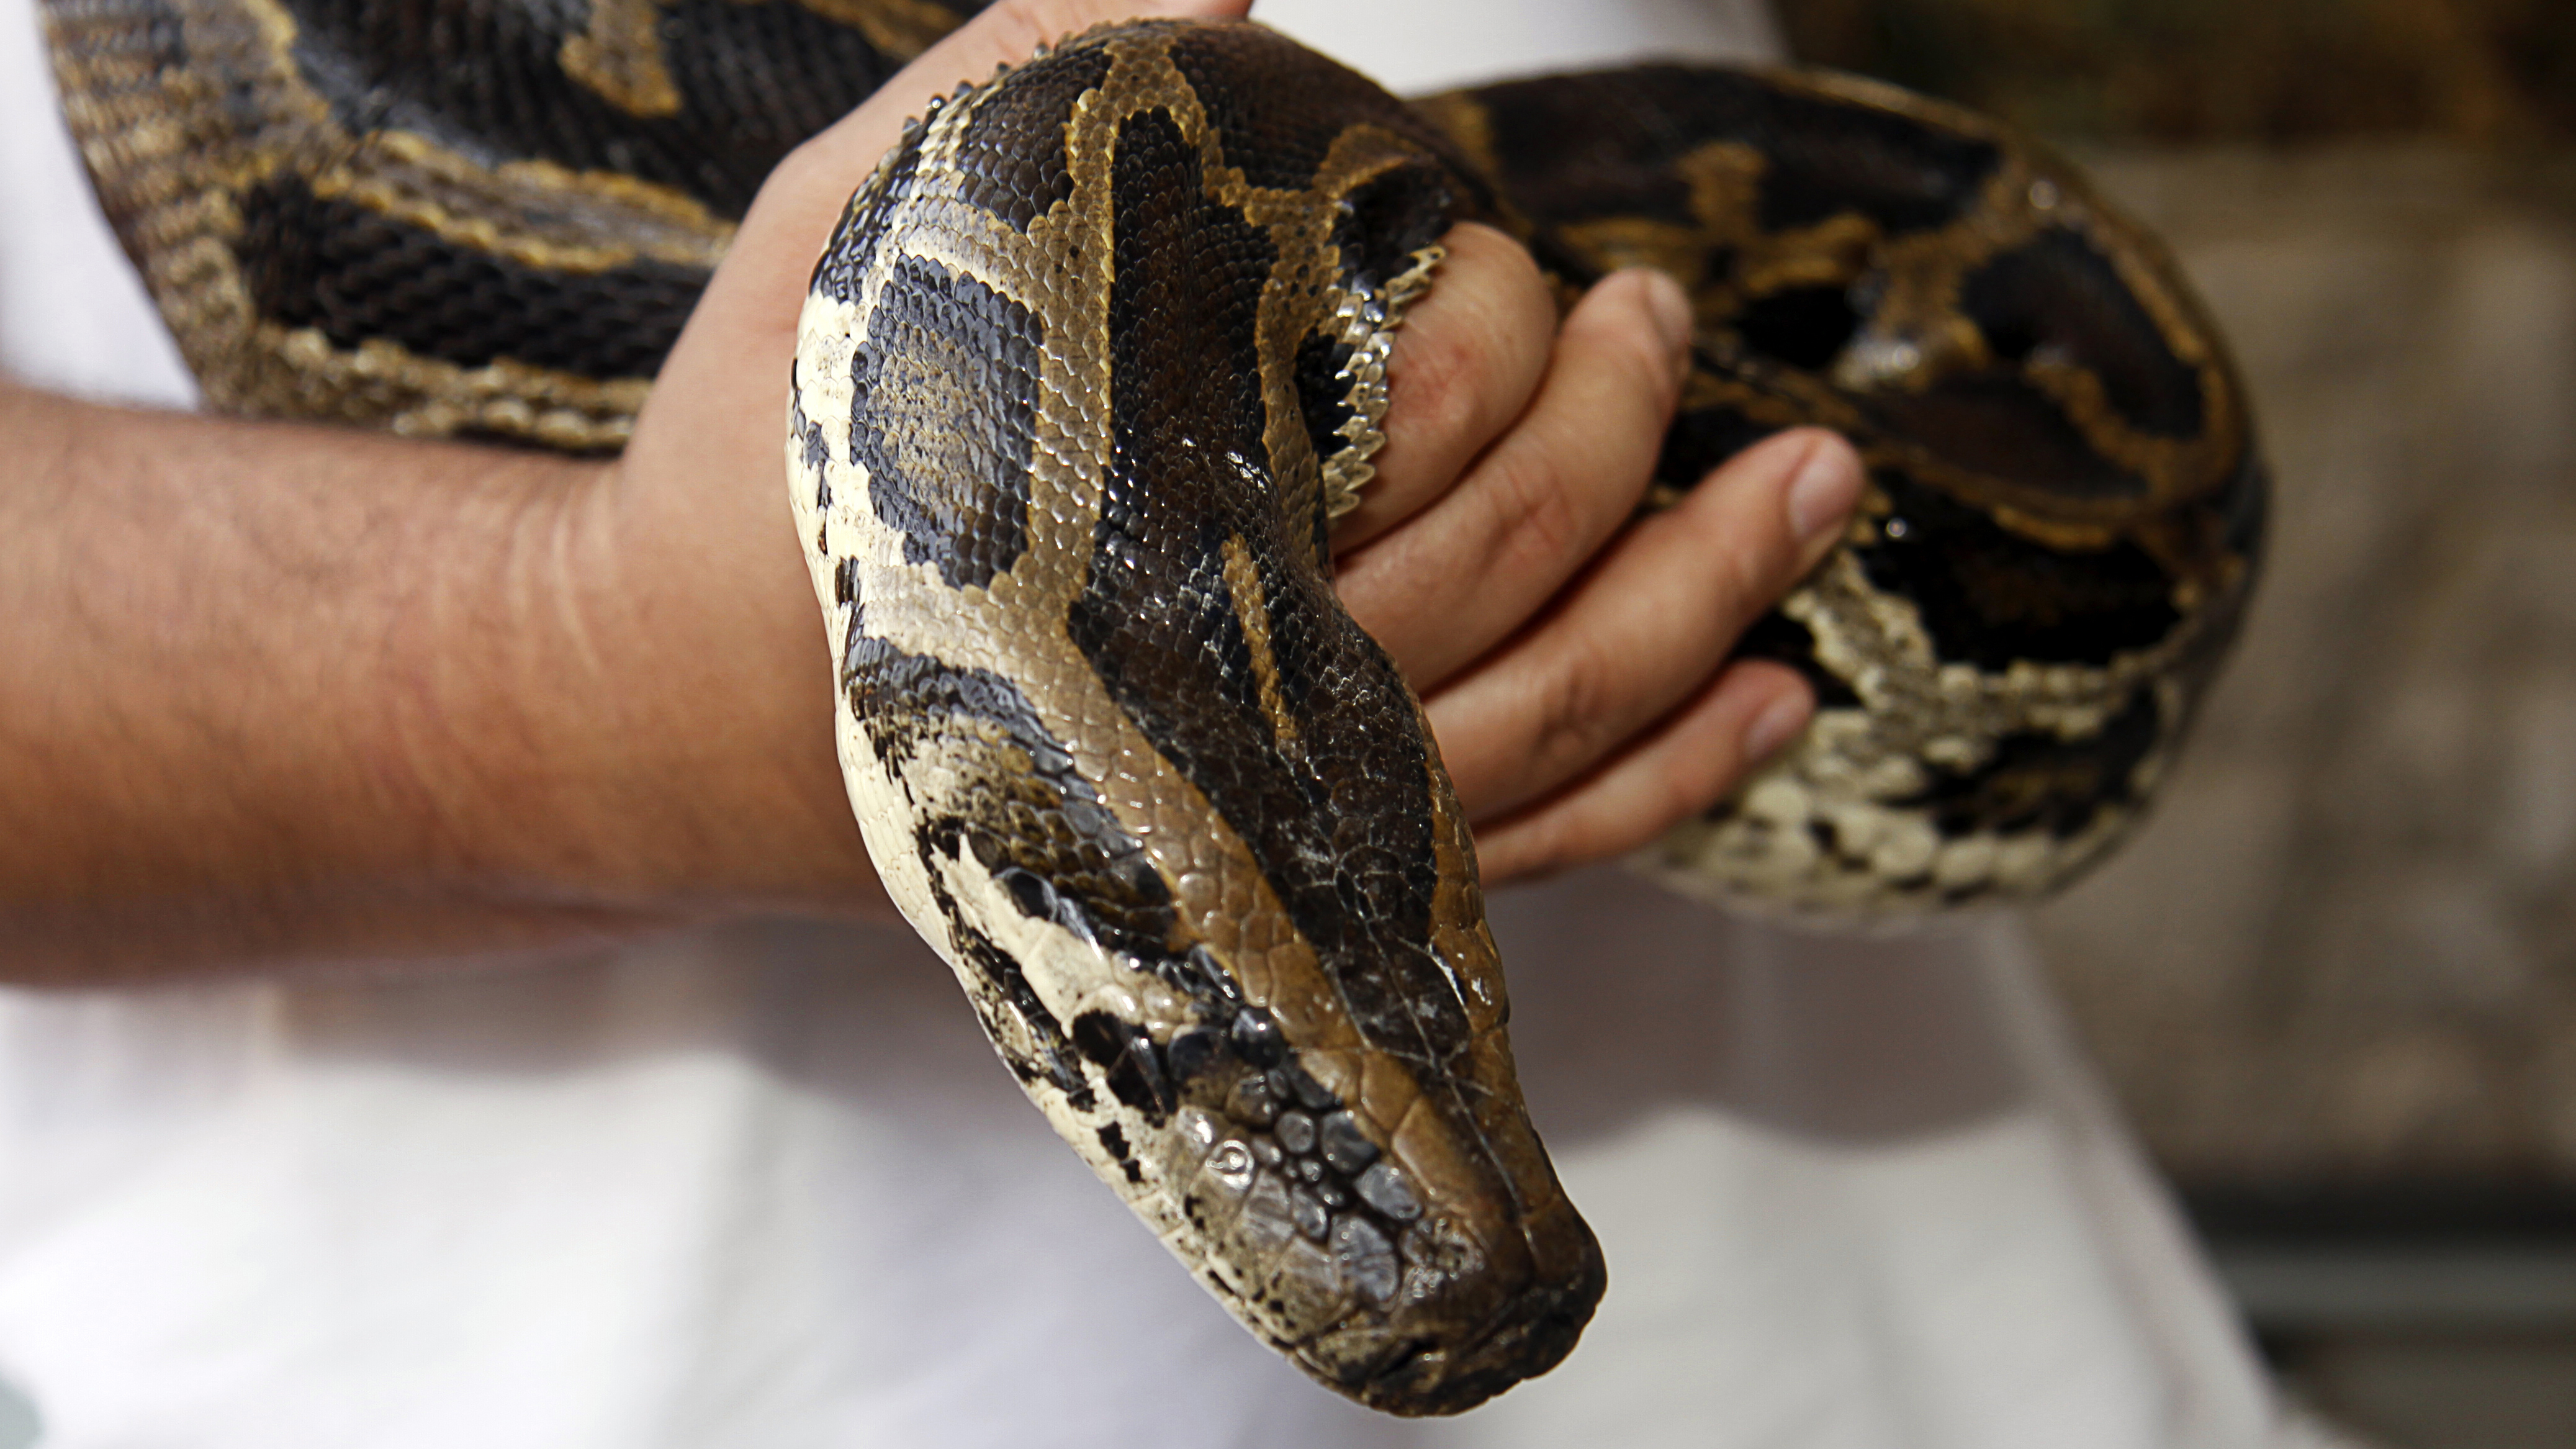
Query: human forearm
[
  {"x": 273, "y": 693},
  {"x": 270, "y": 694}
]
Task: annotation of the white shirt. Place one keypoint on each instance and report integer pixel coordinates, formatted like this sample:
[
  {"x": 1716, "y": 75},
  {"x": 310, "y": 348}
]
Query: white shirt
[{"x": 766, "y": 1186}]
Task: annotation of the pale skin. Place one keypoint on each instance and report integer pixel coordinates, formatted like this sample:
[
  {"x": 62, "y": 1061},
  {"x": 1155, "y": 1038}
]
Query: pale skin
[{"x": 273, "y": 696}]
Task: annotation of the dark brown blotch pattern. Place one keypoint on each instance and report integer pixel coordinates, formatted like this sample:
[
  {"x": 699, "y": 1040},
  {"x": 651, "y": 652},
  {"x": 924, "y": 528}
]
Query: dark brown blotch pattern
[{"x": 943, "y": 415}]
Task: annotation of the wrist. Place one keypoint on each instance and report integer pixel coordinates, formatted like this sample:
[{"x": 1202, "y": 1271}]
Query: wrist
[{"x": 709, "y": 702}]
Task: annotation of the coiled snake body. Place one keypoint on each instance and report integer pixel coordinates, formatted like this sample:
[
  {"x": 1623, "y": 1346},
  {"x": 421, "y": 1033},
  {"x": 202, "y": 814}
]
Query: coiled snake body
[{"x": 1091, "y": 362}]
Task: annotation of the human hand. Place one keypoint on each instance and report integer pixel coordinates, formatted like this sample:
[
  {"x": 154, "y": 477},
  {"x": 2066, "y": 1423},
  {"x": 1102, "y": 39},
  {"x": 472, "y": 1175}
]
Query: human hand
[
  {"x": 1573, "y": 663},
  {"x": 353, "y": 697},
  {"x": 695, "y": 520}
]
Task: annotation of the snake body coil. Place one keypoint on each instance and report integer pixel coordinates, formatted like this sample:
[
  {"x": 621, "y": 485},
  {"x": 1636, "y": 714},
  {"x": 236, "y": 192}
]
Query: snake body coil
[{"x": 1089, "y": 366}]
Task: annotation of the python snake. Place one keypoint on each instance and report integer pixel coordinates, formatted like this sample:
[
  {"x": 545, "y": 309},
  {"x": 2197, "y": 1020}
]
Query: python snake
[{"x": 1090, "y": 364}]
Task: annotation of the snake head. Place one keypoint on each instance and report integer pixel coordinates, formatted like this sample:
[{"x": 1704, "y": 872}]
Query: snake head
[{"x": 1079, "y": 382}]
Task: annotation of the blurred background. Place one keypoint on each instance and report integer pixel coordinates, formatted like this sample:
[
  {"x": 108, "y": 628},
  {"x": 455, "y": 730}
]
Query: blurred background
[{"x": 2335, "y": 982}]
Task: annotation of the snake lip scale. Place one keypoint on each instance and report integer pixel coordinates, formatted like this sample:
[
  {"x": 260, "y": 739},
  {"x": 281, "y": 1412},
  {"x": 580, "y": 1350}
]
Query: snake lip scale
[{"x": 1091, "y": 363}]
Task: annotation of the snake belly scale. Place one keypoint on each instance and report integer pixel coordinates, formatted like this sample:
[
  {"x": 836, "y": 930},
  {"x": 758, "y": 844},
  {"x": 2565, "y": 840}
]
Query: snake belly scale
[{"x": 1091, "y": 363}]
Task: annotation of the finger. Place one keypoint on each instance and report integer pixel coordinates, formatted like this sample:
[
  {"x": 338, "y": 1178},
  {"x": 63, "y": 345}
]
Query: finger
[
  {"x": 1471, "y": 568},
  {"x": 1653, "y": 620},
  {"x": 1699, "y": 757},
  {"x": 1465, "y": 363}
]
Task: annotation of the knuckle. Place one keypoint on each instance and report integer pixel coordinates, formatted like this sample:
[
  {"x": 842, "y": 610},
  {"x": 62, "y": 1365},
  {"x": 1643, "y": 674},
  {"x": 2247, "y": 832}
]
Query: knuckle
[
  {"x": 1535, "y": 514},
  {"x": 1747, "y": 573},
  {"x": 1433, "y": 380},
  {"x": 1575, "y": 715},
  {"x": 1465, "y": 362}
]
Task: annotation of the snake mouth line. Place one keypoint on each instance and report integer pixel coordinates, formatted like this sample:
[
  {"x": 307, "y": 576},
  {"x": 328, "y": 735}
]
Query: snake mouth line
[{"x": 1527, "y": 1337}]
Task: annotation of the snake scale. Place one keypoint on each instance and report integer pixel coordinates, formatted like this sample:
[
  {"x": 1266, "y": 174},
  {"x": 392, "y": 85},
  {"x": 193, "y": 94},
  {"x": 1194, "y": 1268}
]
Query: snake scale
[{"x": 1090, "y": 364}]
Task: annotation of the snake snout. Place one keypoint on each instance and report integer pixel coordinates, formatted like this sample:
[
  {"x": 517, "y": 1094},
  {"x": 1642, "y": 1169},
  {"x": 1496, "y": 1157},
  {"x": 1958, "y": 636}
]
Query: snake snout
[{"x": 1531, "y": 1335}]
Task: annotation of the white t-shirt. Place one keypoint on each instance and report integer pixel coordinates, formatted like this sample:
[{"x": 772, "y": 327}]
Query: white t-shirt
[{"x": 766, "y": 1186}]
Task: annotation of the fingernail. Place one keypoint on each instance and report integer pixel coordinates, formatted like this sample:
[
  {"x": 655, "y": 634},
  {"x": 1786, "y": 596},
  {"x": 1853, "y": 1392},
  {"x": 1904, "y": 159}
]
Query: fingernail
[
  {"x": 1671, "y": 309},
  {"x": 1776, "y": 725},
  {"x": 1822, "y": 495}
]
